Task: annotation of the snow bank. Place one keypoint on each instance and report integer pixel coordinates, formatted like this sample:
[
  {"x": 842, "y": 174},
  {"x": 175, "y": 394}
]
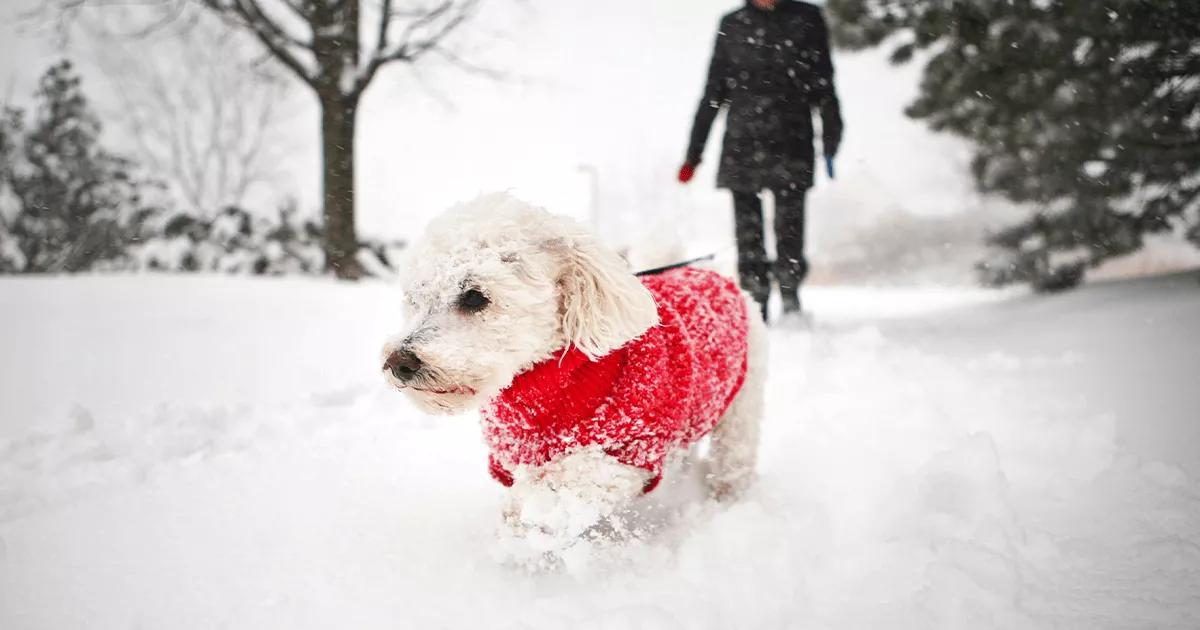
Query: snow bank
[{"x": 964, "y": 468}]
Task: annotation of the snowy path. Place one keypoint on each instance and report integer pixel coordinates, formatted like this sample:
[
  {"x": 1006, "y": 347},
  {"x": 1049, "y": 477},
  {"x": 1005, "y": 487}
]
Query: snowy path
[{"x": 203, "y": 452}]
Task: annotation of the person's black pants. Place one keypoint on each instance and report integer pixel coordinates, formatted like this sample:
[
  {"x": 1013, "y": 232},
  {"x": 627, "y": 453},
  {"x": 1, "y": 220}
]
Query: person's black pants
[{"x": 754, "y": 268}]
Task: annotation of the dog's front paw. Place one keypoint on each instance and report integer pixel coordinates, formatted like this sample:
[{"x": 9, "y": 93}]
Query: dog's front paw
[
  {"x": 554, "y": 513},
  {"x": 544, "y": 529},
  {"x": 525, "y": 544},
  {"x": 559, "y": 509}
]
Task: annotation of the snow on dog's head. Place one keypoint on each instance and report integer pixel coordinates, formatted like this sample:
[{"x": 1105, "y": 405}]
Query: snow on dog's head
[{"x": 497, "y": 285}]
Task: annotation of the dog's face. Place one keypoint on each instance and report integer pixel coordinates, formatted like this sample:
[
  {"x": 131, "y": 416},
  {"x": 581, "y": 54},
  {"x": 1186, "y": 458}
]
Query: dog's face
[
  {"x": 496, "y": 286},
  {"x": 473, "y": 318}
]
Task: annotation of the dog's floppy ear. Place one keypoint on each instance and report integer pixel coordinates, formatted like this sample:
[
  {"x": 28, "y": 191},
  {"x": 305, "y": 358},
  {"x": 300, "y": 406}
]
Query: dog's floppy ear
[{"x": 603, "y": 304}]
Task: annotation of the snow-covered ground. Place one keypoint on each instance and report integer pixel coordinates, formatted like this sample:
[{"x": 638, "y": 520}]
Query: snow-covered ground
[{"x": 215, "y": 453}]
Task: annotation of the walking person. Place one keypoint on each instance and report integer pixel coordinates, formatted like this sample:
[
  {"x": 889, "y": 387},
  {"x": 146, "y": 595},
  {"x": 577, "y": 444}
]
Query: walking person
[{"x": 771, "y": 65}]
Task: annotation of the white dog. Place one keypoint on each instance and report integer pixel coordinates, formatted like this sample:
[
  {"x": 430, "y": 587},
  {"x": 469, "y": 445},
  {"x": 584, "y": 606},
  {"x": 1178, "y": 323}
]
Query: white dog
[{"x": 588, "y": 376}]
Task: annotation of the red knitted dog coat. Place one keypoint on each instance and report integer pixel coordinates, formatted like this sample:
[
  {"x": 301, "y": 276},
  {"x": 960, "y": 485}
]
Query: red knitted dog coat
[{"x": 665, "y": 389}]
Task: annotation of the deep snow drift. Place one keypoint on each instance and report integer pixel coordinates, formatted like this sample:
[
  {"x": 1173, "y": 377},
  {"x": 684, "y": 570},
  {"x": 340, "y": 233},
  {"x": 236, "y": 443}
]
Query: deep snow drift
[{"x": 209, "y": 452}]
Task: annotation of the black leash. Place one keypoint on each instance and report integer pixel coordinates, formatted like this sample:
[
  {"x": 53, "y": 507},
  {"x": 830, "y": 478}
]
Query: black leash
[{"x": 650, "y": 272}]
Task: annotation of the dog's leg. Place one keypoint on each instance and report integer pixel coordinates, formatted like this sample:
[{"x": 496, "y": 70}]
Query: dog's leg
[
  {"x": 734, "y": 449},
  {"x": 564, "y": 498}
]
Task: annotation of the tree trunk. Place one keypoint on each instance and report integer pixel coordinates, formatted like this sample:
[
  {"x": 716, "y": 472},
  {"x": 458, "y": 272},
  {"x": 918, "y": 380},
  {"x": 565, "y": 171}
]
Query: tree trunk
[{"x": 338, "y": 115}]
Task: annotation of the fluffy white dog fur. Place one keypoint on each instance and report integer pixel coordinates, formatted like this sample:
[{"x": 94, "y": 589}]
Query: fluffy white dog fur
[{"x": 551, "y": 284}]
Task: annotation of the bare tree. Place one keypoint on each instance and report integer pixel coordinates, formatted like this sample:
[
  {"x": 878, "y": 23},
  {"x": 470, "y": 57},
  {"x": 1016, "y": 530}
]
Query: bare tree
[
  {"x": 336, "y": 48},
  {"x": 211, "y": 133}
]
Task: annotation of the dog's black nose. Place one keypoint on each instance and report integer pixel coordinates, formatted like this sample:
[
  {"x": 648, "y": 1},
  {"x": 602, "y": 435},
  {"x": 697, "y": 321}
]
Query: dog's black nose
[{"x": 403, "y": 364}]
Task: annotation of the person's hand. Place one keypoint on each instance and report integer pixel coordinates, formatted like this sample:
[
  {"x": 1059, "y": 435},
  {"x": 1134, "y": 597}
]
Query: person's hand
[
  {"x": 686, "y": 172},
  {"x": 831, "y": 141}
]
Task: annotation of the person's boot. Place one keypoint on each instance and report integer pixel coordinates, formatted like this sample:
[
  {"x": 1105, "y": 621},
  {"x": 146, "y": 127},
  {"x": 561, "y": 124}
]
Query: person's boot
[
  {"x": 763, "y": 298},
  {"x": 791, "y": 302},
  {"x": 793, "y": 315},
  {"x": 755, "y": 279}
]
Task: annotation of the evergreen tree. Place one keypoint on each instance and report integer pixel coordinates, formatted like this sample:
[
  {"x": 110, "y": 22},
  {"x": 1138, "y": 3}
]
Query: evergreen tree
[
  {"x": 68, "y": 201},
  {"x": 1087, "y": 110}
]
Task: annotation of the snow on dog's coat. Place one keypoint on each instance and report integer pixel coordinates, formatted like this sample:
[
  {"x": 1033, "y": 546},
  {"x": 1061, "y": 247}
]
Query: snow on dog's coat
[
  {"x": 663, "y": 390},
  {"x": 500, "y": 294}
]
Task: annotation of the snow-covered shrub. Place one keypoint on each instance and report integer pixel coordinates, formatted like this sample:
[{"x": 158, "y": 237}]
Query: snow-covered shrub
[
  {"x": 1044, "y": 276},
  {"x": 234, "y": 241},
  {"x": 12, "y": 260}
]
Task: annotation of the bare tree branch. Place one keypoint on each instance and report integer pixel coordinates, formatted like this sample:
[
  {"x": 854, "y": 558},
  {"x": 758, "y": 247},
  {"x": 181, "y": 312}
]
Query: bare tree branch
[
  {"x": 385, "y": 23},
  {"x": 299, "y": 8},
  {"x": 426, "y": 18},
  {"x": 411, "y": 46},
  {"x": 471, "y": 68},
  {"x": 173, "y": 13},
  {"x": 207, "y": 135},
  {"x": 385, "y": 52},
  {"x": 250, "y": 16}
]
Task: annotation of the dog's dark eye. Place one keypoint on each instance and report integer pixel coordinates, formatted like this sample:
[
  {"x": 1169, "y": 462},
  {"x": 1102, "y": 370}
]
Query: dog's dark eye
[{"x": 472, "y": 301}]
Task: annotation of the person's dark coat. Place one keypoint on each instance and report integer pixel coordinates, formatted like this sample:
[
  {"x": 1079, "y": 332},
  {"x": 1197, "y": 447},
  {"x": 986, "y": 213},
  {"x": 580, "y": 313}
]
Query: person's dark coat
[{"x": 772, "y": 68}]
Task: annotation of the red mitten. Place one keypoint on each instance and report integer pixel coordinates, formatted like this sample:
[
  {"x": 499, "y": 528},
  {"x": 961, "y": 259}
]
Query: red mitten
[{"x": 686, "y": 172}]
